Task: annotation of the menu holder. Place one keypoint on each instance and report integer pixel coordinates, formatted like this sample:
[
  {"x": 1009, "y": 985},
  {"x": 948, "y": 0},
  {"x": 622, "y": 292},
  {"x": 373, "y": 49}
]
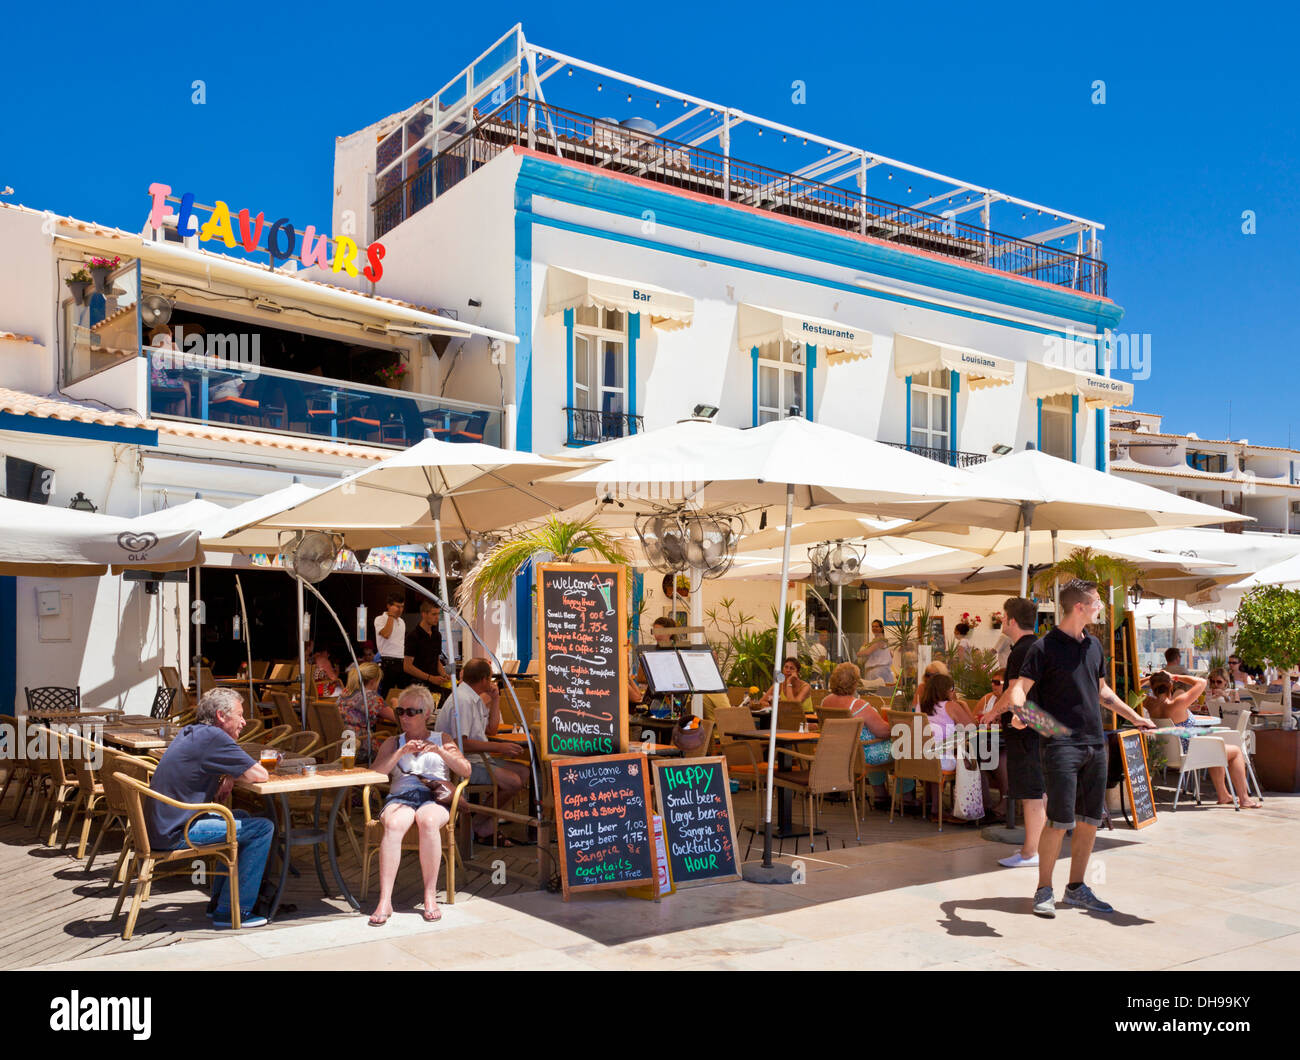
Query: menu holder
[
  {"x": 582, "y": 688},
  {"x": 694, "y": 798},
  {"x": 1133, "y": 753},
  {"x": 602, "y": 813},
  {"x": 692, "y": 669}
]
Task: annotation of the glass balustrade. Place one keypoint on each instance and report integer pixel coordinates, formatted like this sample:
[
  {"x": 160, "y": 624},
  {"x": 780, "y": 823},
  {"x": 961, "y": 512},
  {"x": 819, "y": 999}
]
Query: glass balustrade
[{"x": 226, "y": 392}]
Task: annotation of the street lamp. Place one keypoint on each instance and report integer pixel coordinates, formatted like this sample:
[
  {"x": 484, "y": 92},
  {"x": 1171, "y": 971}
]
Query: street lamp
[{"x": 80, "y": 503}]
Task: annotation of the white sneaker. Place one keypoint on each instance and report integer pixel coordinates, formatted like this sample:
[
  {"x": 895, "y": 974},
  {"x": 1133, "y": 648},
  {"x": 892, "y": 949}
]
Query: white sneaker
[{"x": 1015, "y": 861}]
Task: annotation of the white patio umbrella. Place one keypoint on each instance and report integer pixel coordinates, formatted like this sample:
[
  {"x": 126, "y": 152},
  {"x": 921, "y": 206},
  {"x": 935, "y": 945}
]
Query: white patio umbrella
[
  {"x": 1285, "y": 574},
  {"x": 39, "y": 540},
  {"x": 791, "y": 462},
  {"x": 1060, "y": 496}
]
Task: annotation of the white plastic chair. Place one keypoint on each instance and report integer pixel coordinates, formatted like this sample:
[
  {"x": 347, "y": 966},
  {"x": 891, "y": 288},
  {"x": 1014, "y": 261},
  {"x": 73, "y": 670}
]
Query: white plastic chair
[
  {"x": 1203, "y": 752},
  {"x": 1241, "y": 739}
]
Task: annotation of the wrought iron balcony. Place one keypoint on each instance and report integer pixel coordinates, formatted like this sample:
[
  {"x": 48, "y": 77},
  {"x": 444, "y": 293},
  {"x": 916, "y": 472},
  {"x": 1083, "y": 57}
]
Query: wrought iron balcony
[
  {"x": 951, "y": 457},
  {"x": 568, "y": 135},
  {"x": 588, "y": 426}
]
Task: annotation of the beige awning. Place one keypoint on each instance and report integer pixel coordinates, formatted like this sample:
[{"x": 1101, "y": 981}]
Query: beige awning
[
  {"x": 1097, "y": 391},
  {"x": 842, "y": 342},
  {"x": 912, "y": 356},
  {"x": 569, "y": 289}
]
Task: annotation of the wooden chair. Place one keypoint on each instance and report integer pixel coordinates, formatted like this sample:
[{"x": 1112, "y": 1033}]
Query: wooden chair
[
  {"x": 830, "y": 712},
  {"x": 251, "y": 729},
  {"x": 510, "y": 666},
  {"x": 144, "y": 860},
  {"x": 531, "y": 669},
  {"x": 736, "y": 695},
  {"x": 281, "y": 710},
  {"x": 324, "y": 718},
  {"x": 914, "y": 764},
  {"x": 272, "y": 737},
  {"x": 789, "y": 716},
  {"x": 373, "y": 834},
  {"x": 90, "y": 790},
  {"x": 832, "y": 768},
  {"x": 115, "y": 803},
  {"x": 16, "y": 768},
  {"x": 171, "y": 678},
  {"x": 59, "y": 787}
]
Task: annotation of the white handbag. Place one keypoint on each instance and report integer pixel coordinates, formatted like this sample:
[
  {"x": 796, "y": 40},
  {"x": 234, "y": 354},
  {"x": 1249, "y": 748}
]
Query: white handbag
[{"x": 968, "y": 791}]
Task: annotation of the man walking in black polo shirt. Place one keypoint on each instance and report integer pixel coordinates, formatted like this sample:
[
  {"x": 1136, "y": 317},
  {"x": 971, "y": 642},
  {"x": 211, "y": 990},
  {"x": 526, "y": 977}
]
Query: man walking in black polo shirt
[
  {"x": 1020, "y": 745},
  {"x": 1064, "y": 670},
  {"x": 423, "y": 660}
]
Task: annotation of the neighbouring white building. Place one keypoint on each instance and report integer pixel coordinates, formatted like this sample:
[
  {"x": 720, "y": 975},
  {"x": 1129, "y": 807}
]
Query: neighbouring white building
[{"x": 1261, "y": 481}]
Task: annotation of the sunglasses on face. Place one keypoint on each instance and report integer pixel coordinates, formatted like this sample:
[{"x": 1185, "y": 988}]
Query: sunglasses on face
[
  {"x": 1216, "y": 684},
  {"x": 408, "y": 712},
  {"x": 996, "y": 681}
]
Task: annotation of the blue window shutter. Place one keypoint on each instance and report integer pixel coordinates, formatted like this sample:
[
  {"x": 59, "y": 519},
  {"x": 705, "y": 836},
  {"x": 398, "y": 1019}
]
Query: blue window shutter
[
  {"x": 1074, "y": 428},
  {"x": 568, "y": 357},
  {"x": 907, "y": 440},
  {"x": 633, "y": 333},
  {"x": 952, "y": 415},
  {"x": 808, "y": 370}
]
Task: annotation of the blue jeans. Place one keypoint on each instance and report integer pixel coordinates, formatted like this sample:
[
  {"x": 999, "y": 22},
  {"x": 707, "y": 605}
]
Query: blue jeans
[{"x": 254, "y": 835}]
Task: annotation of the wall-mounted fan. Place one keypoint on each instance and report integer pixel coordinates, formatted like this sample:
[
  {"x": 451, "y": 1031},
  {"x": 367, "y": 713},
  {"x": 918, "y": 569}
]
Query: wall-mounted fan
[{"x": 155, "y": 310}]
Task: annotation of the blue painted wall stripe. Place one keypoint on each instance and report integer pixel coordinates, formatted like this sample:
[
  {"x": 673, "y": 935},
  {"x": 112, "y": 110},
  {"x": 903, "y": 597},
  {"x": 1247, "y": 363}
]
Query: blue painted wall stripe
[
  {"x": 1102, "y": 455},
  {"x": 568, "y": 356},
  {"x": 96, "y": 432},
  {"x": 1074, "y": 428},
  {"x": 908, "y": 437},
  {"x": 633, "y": 333},
  {"x": 753, "y": 356},
  {"x": 954, "y": 378},
  {"x": 810, "y": 369},
  {"x": 523, "y": 321},
  {"x": 569, "y": 184}
]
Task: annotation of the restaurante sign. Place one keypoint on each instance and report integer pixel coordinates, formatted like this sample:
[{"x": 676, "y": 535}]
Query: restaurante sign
[{"x": 280, "y": 241}]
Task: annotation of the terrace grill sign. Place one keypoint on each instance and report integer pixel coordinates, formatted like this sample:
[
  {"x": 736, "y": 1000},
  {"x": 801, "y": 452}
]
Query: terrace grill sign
[{"x": 281, "y": 239}]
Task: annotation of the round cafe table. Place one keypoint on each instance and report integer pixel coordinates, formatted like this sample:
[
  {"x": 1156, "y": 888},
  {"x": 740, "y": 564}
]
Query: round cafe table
[{"x": 786, "y": 741}]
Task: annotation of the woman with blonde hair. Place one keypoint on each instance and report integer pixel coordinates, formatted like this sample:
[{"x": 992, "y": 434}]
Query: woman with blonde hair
[
  {"x": 421, "y": 762},
  {"x": 362, "y": 708},
  {"x": 877, "y": 746}
]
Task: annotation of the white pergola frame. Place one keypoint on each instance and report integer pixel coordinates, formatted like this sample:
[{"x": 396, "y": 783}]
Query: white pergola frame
[{"x": 522, "y": 60}]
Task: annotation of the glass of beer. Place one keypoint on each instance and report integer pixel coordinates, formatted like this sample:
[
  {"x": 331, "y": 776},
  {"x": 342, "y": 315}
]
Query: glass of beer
[
  {"x": 348, "y": 759},
  {"x": 270, "y": 759}
]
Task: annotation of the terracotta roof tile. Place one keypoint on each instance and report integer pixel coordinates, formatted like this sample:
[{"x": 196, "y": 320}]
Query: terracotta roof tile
[
  {"x": 23, "y": 404},
  {"x": 1204, "y": 476},
  {"x": 13, "y": 336}
]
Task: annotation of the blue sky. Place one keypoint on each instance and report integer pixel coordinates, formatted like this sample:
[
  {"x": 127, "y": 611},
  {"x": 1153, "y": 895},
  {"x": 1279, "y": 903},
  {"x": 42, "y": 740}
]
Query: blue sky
[{"x": 1199, "y": 125}]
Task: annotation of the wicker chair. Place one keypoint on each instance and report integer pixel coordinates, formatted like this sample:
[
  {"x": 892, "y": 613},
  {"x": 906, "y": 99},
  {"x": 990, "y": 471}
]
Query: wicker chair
[
  {"x": 17, "y": 767},
  {"x": 280, "y": 709},
  {"x": 250, "y": 730},
  {"x": 60, "y": 786},
  {"x": 915, "y": 764},
  {"x": 144, "y": 860},
  {"x": 273, "y": 736},
  {"x": 303, "y": 742},
  {"x": 832, "y": 768},
  {"x": 789, "y": 715},
  {"x": 115, "y": 803},
  {"x": 90, "y": 790},
  {"x": 373, "y": 834}
]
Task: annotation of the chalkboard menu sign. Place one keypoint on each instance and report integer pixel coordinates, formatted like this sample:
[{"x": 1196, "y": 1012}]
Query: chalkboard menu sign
[
  {"x": 583, "y": 674},
  {"x": 602, "y": 806},
  {"x": 695, "y": 799},
  {"x": 1133, "y": 752}
]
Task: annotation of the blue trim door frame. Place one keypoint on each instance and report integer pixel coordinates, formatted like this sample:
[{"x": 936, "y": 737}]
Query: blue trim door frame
[
  {"x": 809, "y": 369},
  {"x": 1039, "y": 443},
  {"x": 954, "y": 386},
  {"x": 753, "y": 356},
  {"x": 8, "y": 643},
  {"x": 907, "y": 439},
  {"x": 633, "y": 333},
  {"x": 1074, "y": 428},
  {"x": 1102, "y": 455}
]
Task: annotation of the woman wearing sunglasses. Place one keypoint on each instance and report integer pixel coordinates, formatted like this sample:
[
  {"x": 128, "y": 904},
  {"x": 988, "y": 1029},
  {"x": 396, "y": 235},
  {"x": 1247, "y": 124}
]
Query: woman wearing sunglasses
[{"x": 421, "y": 763}]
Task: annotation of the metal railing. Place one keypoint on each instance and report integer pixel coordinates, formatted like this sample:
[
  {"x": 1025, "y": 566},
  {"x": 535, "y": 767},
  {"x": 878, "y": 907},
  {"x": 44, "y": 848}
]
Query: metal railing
[
  {"x": 951, "y": 457},
  {"x": 587, "y": 426},
  {"x": 216, "y": 391},
  {"x": 555, "y": 131}
]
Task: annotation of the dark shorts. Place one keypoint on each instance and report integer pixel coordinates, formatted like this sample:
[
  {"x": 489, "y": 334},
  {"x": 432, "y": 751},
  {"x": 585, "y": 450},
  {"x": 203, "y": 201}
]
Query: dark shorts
[
  {"x": 1024, "y": 764},
  {"x": 412, "y": 797},
  {"x": 1074, "y": 774}
]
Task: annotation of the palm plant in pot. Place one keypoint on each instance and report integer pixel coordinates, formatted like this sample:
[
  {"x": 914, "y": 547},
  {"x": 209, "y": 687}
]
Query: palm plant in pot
[
  {"x": 1108, "y": 572},
  {"x": 554, "y": 541},
  {"x": 79, "y": 283}
]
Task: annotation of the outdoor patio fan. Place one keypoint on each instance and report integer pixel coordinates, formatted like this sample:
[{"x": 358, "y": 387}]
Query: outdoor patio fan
[
  {"x": 683, "y": 541},
  {"x": 837, "y": 564}
]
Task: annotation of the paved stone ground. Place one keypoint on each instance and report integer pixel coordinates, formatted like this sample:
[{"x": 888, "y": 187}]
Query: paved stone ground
[{"x": 1205, "y": 888}]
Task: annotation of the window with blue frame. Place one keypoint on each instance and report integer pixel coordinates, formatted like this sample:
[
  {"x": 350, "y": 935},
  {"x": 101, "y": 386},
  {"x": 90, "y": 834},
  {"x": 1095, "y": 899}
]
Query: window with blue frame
[
  {"x": 1214, "y": 462},
  {"x": 1057, "y": 427},
  {"x": 779, "y": 381},
  {"x": 599, "y": 402},
  {"x": 931, "y": 402}
]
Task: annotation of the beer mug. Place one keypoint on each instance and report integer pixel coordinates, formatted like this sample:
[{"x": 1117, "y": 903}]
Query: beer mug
[{"x": 270, "y": 759}]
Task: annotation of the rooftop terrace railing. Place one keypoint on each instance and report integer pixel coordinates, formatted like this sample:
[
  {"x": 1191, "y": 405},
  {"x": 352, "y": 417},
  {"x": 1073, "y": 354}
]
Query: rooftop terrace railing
[{"x": 608, "y": 145}]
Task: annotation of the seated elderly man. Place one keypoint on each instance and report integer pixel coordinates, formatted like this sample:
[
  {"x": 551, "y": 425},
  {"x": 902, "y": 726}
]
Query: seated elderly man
[
  {"x": 470, "y": 718},
  {"x": 200, "y": 766}
]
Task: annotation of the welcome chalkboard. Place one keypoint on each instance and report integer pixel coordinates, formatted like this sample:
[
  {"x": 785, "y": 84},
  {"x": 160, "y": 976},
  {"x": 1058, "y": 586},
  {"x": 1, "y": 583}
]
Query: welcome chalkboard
[
  {"x": 695, "y": 801},
  {"x": 582, "y": 623},
  {"x": 1133, "y": 753},
  {"x": 602, "y": 806}
]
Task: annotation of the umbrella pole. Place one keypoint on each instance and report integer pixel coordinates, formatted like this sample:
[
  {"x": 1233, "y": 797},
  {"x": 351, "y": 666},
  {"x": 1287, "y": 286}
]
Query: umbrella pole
[
  {"x": 1174, "y": 629},
  {"x": 435, "y": 509},
  {"x": 347, "y": 643},
  {"x": 248, "y": 639},
  {"x": 697, "y": 620},
  {"x": 1056, "y": 582},
  {"x": 777, "y": 676},
  {"x": 197, "y": 661},
  {"x": 839, "y": 623},
  {"x": 302, "y": 656},
  {"x": 1027, "y": 516}
]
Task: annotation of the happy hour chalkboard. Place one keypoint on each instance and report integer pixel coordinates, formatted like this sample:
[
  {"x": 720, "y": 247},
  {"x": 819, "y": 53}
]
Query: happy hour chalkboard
[
  {"x": 602, "y": 806},
  {"x": 1133, "y": 750},
  {"x": 695, "y": 799},
  {"x": 583, "y": 686}
]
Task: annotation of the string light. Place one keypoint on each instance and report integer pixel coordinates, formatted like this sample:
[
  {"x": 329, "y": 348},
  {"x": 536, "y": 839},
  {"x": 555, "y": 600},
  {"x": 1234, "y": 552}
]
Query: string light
[
  {"x": 600, "y": 86},
  {"x": 656, "y": 104},
  {"x": 570, "y": 71}
]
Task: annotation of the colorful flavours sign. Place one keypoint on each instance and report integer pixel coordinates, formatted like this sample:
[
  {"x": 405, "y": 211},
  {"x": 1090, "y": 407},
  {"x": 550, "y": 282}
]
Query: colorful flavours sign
[{"x": 281, "y": 240}]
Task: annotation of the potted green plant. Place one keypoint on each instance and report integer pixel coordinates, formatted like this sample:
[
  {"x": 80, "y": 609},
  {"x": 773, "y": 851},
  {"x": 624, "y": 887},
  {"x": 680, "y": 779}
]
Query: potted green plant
[
  {"x": 100, "y": 270},
  {"x": 1268, "y": 632},
  {"x": 79, "y": 283},
  {"x": 555, "y": 541}
]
